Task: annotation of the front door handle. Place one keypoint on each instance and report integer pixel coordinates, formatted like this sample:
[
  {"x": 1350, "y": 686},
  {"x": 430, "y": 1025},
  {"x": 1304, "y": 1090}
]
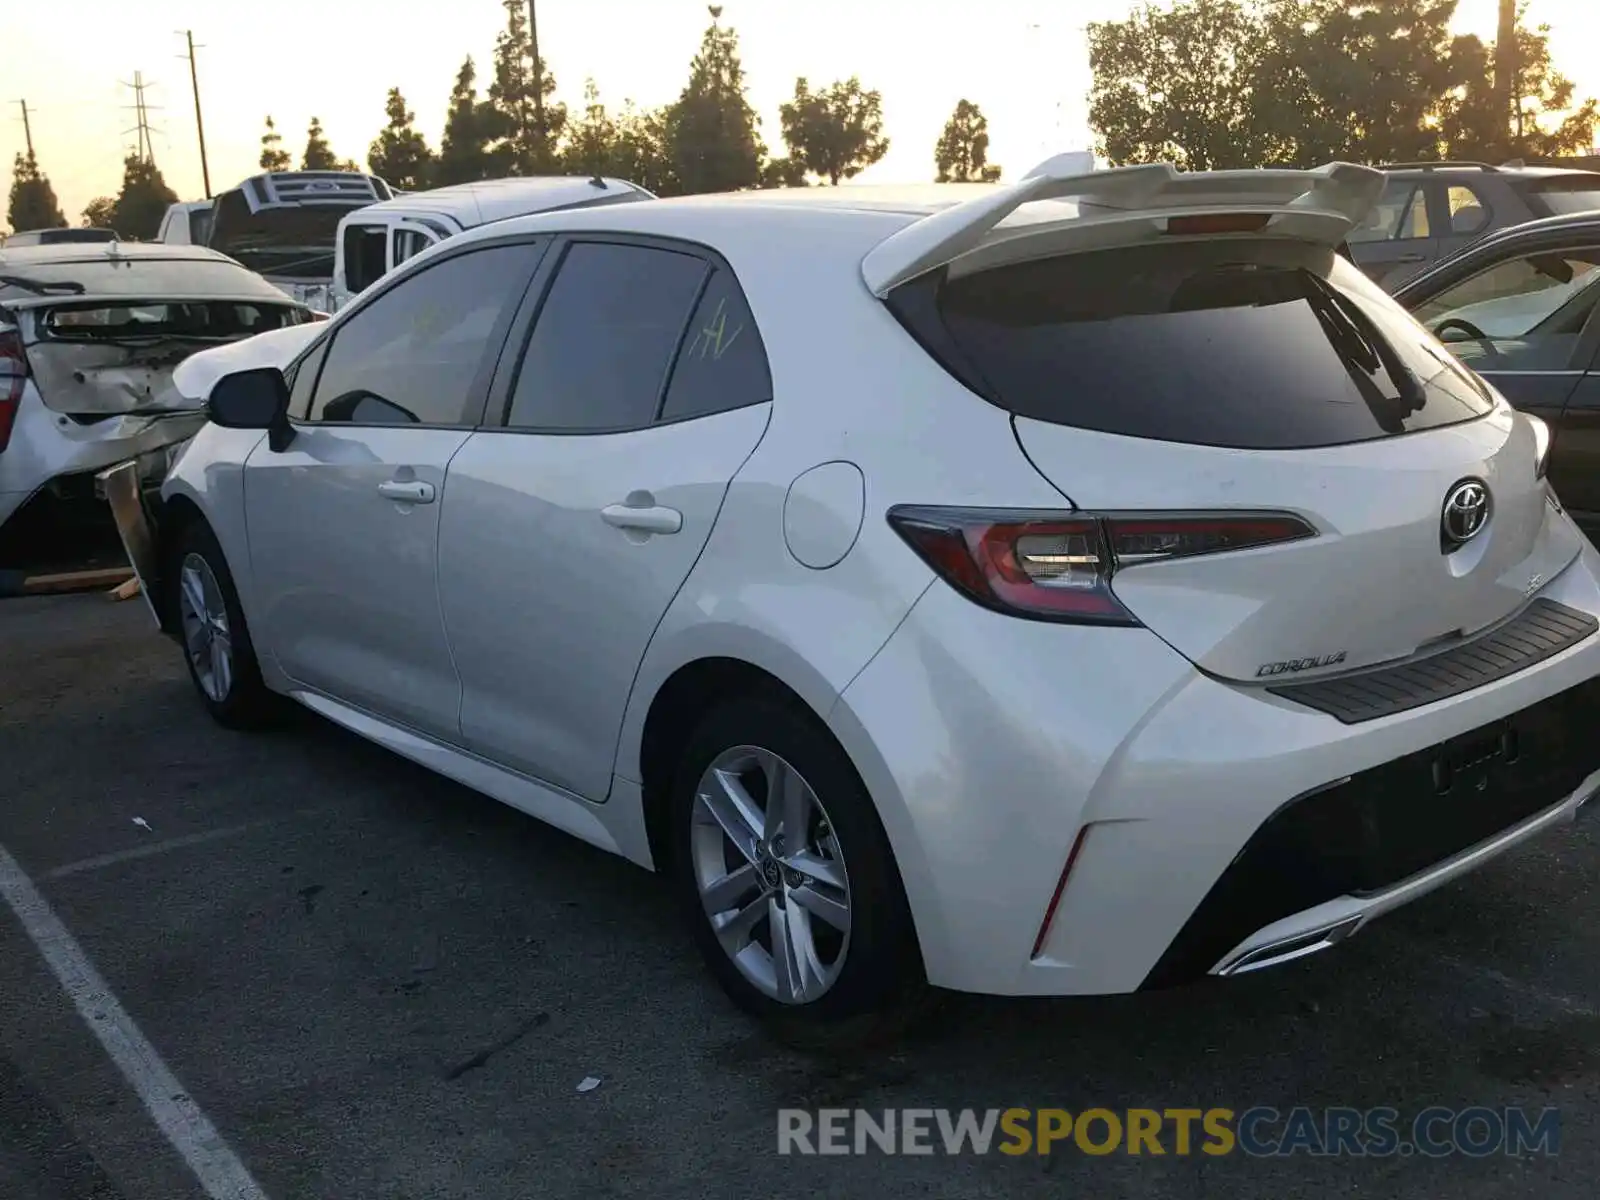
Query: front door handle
[
  {"x": 407, "y": 491},
  {"x": 1412, "y": 258},
  {"x": 645, "y": 519}
]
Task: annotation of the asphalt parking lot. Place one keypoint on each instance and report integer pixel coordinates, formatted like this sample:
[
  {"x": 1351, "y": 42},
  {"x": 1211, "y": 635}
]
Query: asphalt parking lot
[{"x": 377, "y": 984}]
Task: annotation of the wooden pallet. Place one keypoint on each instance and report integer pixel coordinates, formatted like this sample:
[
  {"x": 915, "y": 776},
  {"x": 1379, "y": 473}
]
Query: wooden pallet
[{"x": 81, "y": 581}]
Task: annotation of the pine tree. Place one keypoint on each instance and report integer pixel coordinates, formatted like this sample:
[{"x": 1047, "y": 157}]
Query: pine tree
[
  {"x": 318, "y": 155},
  {"x": 143, "y": 200},
  {"x": 711, "y": 130},
  {"x": 273, "y": 156},
  {"x": 400, "y": 154},
  {"x": 464, "y": 148},
  {"x": 962, "y": 152},
  {"x": 33, "y": 201},
  {"x": 523, "y": 144}
]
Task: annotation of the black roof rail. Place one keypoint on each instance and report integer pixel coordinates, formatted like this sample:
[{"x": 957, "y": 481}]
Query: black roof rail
[{"x": 1428, "y": 166}]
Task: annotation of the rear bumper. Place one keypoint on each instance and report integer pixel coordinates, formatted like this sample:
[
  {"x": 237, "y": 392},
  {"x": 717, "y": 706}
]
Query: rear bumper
[{"x": 1220, "y": 821}]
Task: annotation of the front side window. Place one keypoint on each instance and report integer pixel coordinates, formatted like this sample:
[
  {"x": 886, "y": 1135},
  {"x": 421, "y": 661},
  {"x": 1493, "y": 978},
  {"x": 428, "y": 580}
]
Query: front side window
[
  {"x": 600, "y": 351},
  {"x": 1524, "y": 313},
  {"x": 1400, "y": 213},
  {"x": 412, "y": 355}
]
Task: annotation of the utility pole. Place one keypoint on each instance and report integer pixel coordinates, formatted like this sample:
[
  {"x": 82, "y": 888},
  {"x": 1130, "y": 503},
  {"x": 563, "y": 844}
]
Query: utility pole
[
  {"x": 538, "y": 69},
  {"x": 199, "y": 121},
  {"x": 1508, "y": 98},
  {"x": 27, "y": 129}
]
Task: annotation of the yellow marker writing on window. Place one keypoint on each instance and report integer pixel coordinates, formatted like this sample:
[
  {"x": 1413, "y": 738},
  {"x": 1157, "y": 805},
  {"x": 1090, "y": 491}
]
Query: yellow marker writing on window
[{"x": 714, "y": 338}]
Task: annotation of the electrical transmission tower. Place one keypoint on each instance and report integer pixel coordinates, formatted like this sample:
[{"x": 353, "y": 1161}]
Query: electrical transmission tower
[{"x": 145, "y": 145}]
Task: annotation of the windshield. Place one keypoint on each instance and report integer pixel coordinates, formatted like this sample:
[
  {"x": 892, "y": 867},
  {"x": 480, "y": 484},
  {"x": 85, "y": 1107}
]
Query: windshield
[
  {"x": 1567, "y": 194},
  {"x": 293, "y": 241}
]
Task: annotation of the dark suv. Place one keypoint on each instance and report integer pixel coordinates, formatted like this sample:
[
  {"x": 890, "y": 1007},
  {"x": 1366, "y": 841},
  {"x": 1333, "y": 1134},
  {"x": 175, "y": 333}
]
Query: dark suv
[{"x": 1431, "y": 210}]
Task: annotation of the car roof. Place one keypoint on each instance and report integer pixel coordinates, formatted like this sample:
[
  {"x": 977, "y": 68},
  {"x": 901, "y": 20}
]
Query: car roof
[
  {"x": 875, "y": 210},
  {"x": 106, "y": 253},
  {"x": 497, "y": 199}
]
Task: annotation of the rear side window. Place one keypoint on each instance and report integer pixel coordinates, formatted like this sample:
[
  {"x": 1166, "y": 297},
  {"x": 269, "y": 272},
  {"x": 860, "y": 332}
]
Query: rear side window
[
  {"x": 1252, "y": 344},
  {"x": 722, "y": 364},
  {"x": 1562, "y": 194},
  {"x": 600, "y": 351}
]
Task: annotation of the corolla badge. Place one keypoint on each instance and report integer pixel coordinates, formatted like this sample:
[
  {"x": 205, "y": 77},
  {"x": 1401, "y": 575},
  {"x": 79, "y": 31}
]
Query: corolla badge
[{"x": 1465, "y": 513}]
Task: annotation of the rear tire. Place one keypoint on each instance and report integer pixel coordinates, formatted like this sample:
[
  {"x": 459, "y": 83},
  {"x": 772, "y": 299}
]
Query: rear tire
[
  {"x": 785, "y": 874},
  {"x": 211, "y": 629}
]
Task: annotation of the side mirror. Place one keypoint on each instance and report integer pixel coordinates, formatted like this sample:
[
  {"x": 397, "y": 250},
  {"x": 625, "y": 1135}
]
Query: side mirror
[{"x": 254, "y": 399}]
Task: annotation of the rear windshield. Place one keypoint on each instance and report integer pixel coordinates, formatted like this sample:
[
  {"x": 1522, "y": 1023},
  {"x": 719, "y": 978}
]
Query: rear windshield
[
  {"x": 1257, "y": 344},
  {"x": 1564, "y": 194},
  {"x": 214, "y": 320},
  {"x": 293, "y": 240}
]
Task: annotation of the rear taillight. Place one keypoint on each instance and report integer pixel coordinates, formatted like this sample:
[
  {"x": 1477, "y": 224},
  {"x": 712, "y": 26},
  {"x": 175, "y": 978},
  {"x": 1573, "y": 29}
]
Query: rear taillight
[
  {"x": 1059, "y": 567},
  {"x": 13, "y": 375}
]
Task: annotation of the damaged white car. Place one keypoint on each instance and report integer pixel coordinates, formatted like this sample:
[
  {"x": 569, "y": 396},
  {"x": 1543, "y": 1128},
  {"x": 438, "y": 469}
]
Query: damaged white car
[{"x": 90, "y": 337}]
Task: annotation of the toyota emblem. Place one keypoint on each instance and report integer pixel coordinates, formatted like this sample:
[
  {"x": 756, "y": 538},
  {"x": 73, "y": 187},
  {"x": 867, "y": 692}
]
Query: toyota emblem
[{"x": 1466, "y": 512}]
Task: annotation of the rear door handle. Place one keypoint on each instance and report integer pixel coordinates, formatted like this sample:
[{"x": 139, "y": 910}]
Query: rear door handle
[
  {"x": 648, "y": 519},
  {"x": 1412, "y": 258},
  {"x": 407, "y": 491}
]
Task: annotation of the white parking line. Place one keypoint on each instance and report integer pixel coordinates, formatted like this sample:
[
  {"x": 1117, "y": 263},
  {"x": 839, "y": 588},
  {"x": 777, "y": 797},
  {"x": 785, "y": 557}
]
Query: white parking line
[
  {"x": 149, "y": 849},
  {"x": 191, "y": 1133}
]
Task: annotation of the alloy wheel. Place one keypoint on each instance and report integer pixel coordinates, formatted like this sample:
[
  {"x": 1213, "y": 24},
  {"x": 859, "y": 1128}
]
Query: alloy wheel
[
  {"x": 206, "y": 637},
  {"x": 770, "y": 874}
]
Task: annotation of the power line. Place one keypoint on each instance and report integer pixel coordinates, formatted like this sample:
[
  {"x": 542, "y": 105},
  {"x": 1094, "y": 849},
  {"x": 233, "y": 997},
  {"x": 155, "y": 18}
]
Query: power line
[{"x": 199, "y": 121}]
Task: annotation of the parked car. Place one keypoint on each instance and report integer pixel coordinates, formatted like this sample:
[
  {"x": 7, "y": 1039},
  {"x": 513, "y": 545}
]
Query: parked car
[
  {"x": 57, "y": 237},
  {"x": 282, "y": 224},
  {"x": 1061, "y": 597},
  {"x": 1522, "y": 309},
  {"x": 374, "y": 240},
  {"x": 89, "y": 338},
  {"x": 1428, "y": 211}
]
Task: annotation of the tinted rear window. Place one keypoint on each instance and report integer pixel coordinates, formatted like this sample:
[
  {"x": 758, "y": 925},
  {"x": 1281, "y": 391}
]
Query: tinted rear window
[
  {"x": 1247, "y": 343},
  {"x": 213, "y": 320},
  {"x": 1563, "y": 194}
]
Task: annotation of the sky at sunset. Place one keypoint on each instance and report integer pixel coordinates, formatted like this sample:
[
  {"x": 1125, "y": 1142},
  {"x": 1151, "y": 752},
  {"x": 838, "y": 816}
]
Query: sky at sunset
[{"x": 1023, "y": 61}]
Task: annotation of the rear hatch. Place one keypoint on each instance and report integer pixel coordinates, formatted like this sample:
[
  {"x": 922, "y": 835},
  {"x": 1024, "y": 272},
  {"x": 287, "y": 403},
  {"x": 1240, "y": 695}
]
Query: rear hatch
[
  {"x": 1172, "y": 382},
  {"x": 97, "y": 358}
]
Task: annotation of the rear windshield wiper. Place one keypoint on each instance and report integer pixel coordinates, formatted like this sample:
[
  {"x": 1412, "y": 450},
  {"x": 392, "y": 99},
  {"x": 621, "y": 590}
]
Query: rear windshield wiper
[
  {"x": 40, "y": 287},
  {"x": 1360, "y": 342}
]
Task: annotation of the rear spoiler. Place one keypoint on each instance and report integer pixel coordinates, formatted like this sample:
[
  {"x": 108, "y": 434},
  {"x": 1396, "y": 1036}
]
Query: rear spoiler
[{"x": 1320, "y": 205}]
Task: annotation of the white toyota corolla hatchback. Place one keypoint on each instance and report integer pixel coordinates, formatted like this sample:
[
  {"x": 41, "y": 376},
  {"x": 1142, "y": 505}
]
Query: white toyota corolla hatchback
[{"x": 1077, "y": 585}]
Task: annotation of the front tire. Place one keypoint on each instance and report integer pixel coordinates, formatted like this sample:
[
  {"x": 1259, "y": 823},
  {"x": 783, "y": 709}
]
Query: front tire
[
  {"x": 785, "y": 873},
  {"x": 216, "y": 640}
]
